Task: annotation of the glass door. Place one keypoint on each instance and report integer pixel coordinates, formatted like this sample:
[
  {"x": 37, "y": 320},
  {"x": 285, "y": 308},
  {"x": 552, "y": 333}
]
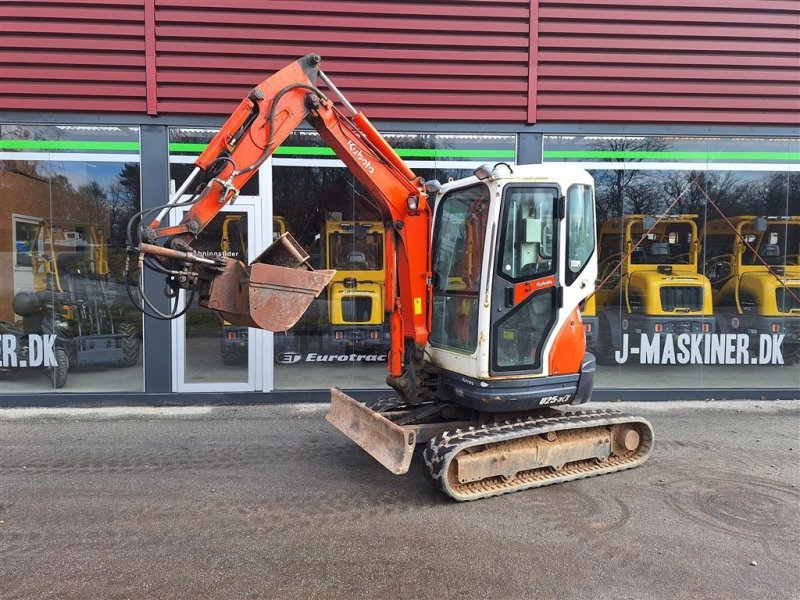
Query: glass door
[
  {"x": 210, "y": 354},
  {"x": 525, "y": 289}
]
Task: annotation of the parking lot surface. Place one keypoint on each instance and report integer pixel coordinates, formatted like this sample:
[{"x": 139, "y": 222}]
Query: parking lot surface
[{"x": 272, "y": 502}]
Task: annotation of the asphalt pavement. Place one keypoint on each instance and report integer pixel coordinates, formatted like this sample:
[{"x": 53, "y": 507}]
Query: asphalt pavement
[{"x": 272, "y": 502}]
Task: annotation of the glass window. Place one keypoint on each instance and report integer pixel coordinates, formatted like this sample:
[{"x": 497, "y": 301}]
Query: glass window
[
  {"x": 23, "y": 240},
  {"x": 459, "y": 236},
  {"x": 356, "y": 249},
  {"x": 215, "y": 350},
  {"x": 692, "y": 286},
  {"x": 580, "y": 229},
  {"x": 65, "y": 319},
  {"x": 519, "y": 336},
  {"x": 528, "y": 232},
  {"x": 345, "y": 332}
]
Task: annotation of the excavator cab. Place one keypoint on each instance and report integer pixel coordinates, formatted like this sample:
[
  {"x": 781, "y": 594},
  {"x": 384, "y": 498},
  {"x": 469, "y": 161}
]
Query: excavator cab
[{"x": 513, "y": 258}]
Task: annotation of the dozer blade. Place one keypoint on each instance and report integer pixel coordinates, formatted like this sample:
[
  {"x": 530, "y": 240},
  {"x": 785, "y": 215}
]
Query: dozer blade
[
  {"x": 386, "y": 442},
  {"x": 272, "y": 293}
]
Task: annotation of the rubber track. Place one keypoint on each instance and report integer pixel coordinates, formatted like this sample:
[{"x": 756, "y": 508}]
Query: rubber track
[{"x": 441, "y": 450}]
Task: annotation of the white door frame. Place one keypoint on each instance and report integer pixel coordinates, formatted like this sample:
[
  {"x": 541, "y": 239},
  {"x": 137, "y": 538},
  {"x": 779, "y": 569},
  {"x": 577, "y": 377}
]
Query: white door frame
[{"x": 259, "y": 359}]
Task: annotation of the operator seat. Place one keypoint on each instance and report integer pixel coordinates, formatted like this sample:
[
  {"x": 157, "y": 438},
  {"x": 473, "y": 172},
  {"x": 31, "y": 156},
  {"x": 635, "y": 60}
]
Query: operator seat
[
  {"x": 771, "y": 253},
  {"x": 659, "y": 252},
  {"x": 357, "y": 260}
]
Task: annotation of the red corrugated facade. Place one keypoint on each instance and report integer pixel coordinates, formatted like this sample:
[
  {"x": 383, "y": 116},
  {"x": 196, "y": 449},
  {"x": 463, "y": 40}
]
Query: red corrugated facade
[
  {"x": 514, "y": 61},
  {"x": 675, "y": 61},
  {"x": 73, "y": 56}
]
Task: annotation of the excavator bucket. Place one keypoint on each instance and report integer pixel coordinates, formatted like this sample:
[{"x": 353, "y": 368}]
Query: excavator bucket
[
  {"x": 279, "y": 296},
  {"x": 387, "y": 442},
  {"x": 273, "y": 292}
]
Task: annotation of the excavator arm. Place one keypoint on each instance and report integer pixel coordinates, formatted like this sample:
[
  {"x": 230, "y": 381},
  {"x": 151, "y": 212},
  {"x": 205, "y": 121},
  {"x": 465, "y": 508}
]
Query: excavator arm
[{"x": 274, "y": 291}]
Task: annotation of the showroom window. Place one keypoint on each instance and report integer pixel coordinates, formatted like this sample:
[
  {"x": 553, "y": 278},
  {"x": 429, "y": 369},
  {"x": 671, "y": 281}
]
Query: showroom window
[
  {"x": 345, "y": 332},
  {"x": 324, "y": 206},
  {"x": 344, "y": 335},
  {"x": 209, "y": 352},
  {"x": 65, "y": 319},
  {"x": 699, "y": 243}
]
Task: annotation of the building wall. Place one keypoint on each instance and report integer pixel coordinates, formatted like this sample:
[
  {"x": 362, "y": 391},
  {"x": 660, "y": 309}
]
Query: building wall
[
  {"x": 672, "y": 96},
  {"x": 76, "y": 56},
  {"x": 676, "y": 61},
  {"x": 517, "y": 61}
]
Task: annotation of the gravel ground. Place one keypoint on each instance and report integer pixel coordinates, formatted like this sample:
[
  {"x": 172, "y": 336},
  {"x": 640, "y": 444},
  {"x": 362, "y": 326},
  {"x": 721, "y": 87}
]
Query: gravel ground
[{"x": 272, "y": 502}]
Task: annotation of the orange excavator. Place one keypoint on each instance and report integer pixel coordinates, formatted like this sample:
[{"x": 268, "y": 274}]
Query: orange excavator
[{"x": 484, "y": 278}]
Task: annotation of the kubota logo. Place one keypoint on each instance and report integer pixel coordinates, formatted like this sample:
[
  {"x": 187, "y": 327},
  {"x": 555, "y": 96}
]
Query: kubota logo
[{"x": 288, "y": 358}]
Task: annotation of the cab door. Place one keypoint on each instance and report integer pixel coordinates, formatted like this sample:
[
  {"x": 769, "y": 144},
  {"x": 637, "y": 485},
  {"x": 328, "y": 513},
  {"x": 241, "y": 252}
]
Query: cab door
[
  {"x": 526, "y": 284},
  {"x": 459, "y": 240}
]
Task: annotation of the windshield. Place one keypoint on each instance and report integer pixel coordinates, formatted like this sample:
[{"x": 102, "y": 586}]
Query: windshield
[
  {"x": 778, "y": 245},
  {"x": 528, "y": 229},
  {"x": 719, "y": 245},
  {"x": 671, "y": 244},
  {"x": 458, "y": 241},
  {"x": 351, "y": 252}
]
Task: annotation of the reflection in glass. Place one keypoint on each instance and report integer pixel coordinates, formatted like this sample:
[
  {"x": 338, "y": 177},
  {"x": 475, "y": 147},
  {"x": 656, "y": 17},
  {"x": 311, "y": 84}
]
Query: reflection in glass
[
  {"x": 63, "y": 305},
  {"x": 724, "y": 182},
  {"x": 217, "y": 351},
  {"x": 344, "y": 333},
  {"x": 753, "y": 265},
  {"x": 459, "y": 236}
]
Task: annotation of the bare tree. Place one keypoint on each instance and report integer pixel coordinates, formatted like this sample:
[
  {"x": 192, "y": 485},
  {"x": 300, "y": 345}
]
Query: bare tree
[
  {"x": 125, "y": 197},
  {"x": 782, "y": 194},
  {"x": 624, "y": 190}
]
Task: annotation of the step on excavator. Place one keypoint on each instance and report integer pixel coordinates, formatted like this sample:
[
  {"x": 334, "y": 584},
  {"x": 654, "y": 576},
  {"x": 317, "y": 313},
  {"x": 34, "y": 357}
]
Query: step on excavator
[{"x": 484, "y": 279}]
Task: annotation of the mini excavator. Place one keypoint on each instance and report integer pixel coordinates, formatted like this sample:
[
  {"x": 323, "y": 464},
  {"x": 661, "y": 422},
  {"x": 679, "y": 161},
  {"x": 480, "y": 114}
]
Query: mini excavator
[{"x": 484, "y": 278}]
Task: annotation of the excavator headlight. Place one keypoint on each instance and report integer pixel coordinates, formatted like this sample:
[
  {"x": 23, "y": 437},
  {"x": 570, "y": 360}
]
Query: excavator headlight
[
  {"x": 413, "y": 202},
  {"x": 484, "y": 171}
]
